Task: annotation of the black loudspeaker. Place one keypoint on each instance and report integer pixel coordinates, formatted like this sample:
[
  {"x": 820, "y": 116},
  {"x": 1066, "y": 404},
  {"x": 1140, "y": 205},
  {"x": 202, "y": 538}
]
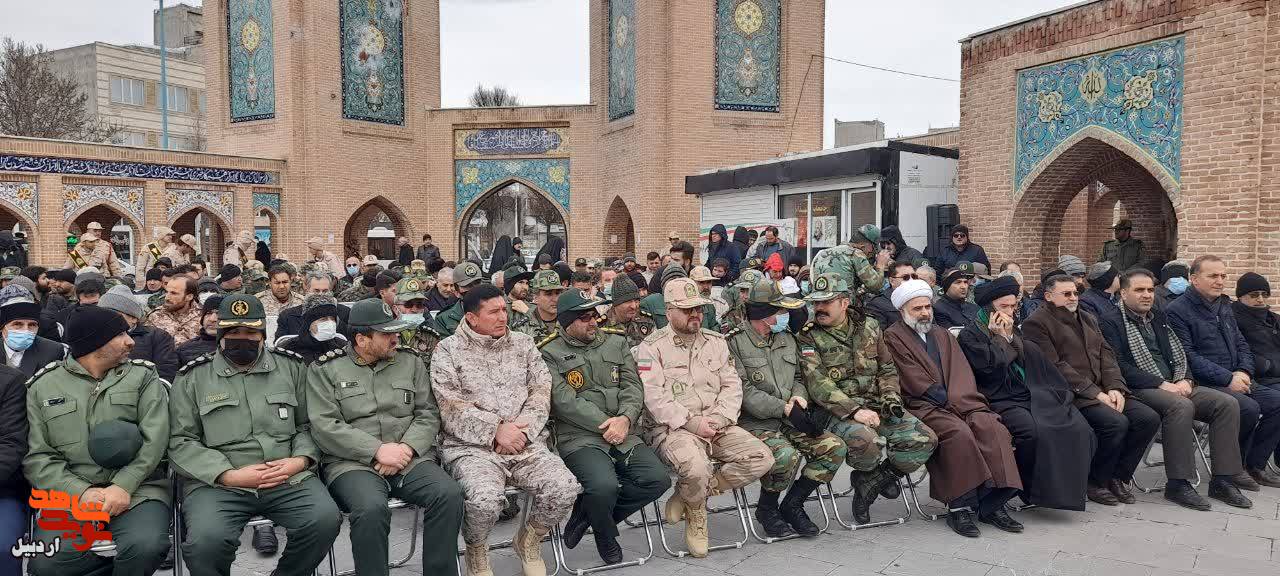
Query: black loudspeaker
[{"x": 940, "y": 219}]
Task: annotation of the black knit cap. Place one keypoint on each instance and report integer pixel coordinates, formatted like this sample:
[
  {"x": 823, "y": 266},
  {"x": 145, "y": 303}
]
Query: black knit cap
[
  {"x": 1252, "y": 282},
  {"x": 991, "y": 291},
  {"x": 154, "y": 274},
  {"x": 229, "y": 272},
  {"x": 90, "y": 328},
  {"x": 211, "y": 304},
  {"x": 63, "y": 275}
]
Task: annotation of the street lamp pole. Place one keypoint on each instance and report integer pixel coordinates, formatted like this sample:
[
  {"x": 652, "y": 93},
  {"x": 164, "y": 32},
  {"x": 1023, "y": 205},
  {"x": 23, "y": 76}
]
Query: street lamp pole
[{"x": 164, "y": 83}]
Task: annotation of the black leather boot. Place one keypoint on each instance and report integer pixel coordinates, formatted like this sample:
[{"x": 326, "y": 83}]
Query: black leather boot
[
  {"x": 265, "y": 540},
  {"x": 792, "y": 507},
  {"x": 769, "y": 516},
  {"x": 576, "y": 527}
]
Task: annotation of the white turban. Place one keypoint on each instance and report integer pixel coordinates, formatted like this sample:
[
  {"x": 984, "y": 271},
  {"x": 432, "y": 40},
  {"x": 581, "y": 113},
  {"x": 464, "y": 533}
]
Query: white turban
[{"x": 909, "y": 290}]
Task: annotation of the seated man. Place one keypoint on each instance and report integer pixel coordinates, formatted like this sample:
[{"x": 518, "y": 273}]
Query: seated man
[
  {"x": 1123, "y": 425},
  {"x": 1155, "y": 367},
  {"x": 65, "y": 417},
  {"x": 494, "y": 393},
  {"x": 596, "y": 402},
  {"x": 880, "y": 306},
  {"x": 242, "y": 439},
  {"x": 973, "y": 469},
  {"x": 693, "y": 395},
  {"x": 1099, "y": 298},
  {"x": 375, "y": 420},
  {"x": 850, "y": 374},
  {"x": 1052, "y": 441},
  {"x": 954, "y": 307},
  {"x": 1258, "y": 324},
  {"x": 1220, "y": 358},
  {"x": 774, "y": 408}
]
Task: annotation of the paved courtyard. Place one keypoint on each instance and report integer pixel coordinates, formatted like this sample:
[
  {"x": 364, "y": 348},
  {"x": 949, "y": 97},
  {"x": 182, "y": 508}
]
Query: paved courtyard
[{"x": 1152, "y": 537}]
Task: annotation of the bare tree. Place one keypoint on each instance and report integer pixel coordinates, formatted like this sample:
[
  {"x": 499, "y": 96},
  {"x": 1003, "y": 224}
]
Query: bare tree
[
  {"x": 36, "y": 101},
  {"x": 495, "y": 97}
]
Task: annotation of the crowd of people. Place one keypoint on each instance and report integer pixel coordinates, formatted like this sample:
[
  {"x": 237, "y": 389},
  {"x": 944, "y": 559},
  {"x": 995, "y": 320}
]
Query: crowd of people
[{"x": 296, "y": 391}]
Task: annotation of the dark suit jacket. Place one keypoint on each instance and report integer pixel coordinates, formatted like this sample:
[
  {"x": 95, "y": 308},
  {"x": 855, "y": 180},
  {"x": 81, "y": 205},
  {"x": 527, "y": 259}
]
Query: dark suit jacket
[
  {"x": 1113, "y": 329},
  {"x": 41, "y": 352}
]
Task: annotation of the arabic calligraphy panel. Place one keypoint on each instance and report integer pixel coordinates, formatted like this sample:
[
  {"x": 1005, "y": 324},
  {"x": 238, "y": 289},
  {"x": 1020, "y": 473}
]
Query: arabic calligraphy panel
[
  {"x": 748, "y": 54},
  {"x": 487, "y": 142}
]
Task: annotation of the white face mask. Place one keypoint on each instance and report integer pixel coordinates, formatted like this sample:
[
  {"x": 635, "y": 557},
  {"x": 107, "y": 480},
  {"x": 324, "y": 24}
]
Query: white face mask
[{"x": 325, "y": 331}]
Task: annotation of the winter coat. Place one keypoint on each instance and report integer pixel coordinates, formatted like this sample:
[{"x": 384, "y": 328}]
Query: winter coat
[
  {"x": 11, "y": 252},
  {"x": 13, "y": 433},
  {"x": 155, "y": 346},
  {"x": 1261, "y": 329},
  {"x": 902, "y": 252},
  {"x": 1097, "y": 302},
  {"x": 742, "y": 241},
  {"x": 1074, "y": 344},
  {"x": 1211, "y": 338},
  {"x": 724, "y": 249},
  {"x": 200, "y": 345},
  {"x": 42, "y": 352}
]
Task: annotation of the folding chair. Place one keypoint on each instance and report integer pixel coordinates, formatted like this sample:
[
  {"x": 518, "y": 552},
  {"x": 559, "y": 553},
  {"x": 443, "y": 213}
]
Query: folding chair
[
  {"x": 835, "y": 508},
  {"x": 766, "y": 539},
  {"x": 739, "y": 505},
  {"x": 393, "y": 504},
  {"x": 561, "y": 553},
  {"x": 107, "y": 549},
  {"x": 1202, "y": 440},
  {"x": 915, "y": 499},
  {"x": 553, "y": 537}
]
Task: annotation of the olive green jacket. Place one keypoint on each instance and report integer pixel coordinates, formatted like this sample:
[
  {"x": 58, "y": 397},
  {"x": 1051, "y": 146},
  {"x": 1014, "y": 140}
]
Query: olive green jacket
[
  {"x": 226, "y": 418},
  {"x": 654, "y": 307},
  {"x": 446, "y": 322},
  {"x": 64, "y": 403},
  {"x": 356, "y": 408},
  {"x": 535, "y": 327},
  {"x": 770, "y": 372},
  {"x": 590, "y": 383}
]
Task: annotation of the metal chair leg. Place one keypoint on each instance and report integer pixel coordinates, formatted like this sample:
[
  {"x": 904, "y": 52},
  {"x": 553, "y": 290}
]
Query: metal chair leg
[
  {"x": 766, "y": 539},
  {"x": 739, "y": 500},
  {"x": 561, "y": 554},
  {"x": 522, "y": 519},
  {"x": 919, "y": 509},
  {"x": 1200, "y": 439},
  {"x": 835, "y": 509}
]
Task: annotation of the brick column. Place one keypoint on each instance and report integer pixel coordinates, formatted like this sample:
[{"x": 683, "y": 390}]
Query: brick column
[{"x": 49, "y": 243}]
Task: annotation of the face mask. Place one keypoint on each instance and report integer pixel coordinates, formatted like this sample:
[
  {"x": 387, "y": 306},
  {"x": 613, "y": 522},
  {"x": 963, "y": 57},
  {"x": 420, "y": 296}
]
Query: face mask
[
  {"x": 353, "y": 270},
  {"x": 240, "y": 351},
  {"x": 414, "y": 319},
  {"x": 19, "y": 340},
  {"x": 325, "y": 331},
  {"x": 608, "y": 291},
  {"x": 1177, "y": 285},
  {"x": 780, "y": 323}
]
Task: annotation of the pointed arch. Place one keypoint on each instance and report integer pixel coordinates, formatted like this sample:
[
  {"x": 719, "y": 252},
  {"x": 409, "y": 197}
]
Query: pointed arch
[
  {"x": 211, "y": 230},
  {"x": 356, "y": 233},
  {"x": 503, "y": 207},
  {"x": 619, "y": 230}
]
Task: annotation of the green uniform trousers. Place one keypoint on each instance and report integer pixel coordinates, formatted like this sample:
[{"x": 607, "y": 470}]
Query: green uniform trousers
[
  {"x": 908, "y": 440},
  {"x": 363, "y": 496},
  {"x": 616, "y": 485},
  {"x": 823, "y": 456},
  {"x": 142, "y": 538},
  {"x": 215, "y": 517}
]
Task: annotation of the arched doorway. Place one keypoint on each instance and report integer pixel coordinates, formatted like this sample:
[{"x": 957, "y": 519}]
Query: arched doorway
[
  {"x": 373, "y": 229},
  {"x": 511, "y": 209},
  {"x": 210, "y": 231},
  {"x": 619, "y": 230},
  {"x": 264, "y": 227},
  {"x": 1072, "y": 203},
  {"x": 126, "y": 235}
]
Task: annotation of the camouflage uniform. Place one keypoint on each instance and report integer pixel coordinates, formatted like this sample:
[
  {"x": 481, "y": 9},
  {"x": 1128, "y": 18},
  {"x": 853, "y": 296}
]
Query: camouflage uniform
[
  {"x": 272, "y": 307},
  {"x": 183, "y": 326},
  {"x": 736, "y": 315},
  {"x": 635, "y": 331},
  {"x": 539, "y": 329},
  {"x": 102, "y": 257},
  {"x": 255, "y": 282},
  {"x": 481, "y": 382},
  {"x": 467, "y": 274},
  {"x": 853, "y": 265},
  {"x": 356, "y": 293},
  {"x": 150, "y": 253}
]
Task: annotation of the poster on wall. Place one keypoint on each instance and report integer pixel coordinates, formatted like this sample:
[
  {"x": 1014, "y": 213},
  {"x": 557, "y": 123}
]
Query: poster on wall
[
  {"x": 826, "y": 231},
  {"x": 372, "y": 36}
]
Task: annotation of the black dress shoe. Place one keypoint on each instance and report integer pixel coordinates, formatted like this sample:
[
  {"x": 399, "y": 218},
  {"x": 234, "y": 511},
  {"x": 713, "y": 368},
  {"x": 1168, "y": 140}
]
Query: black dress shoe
[
  {"x": 265, "y": 540},
  {"x": 1265, "y": 478},
  {"x": 1121, "y": 490},
  {"x": 576, "y": 527},
  {"x": 1228, "y": 494},
  {"x": 1002, "y": 520},
  {"x": 1244, "y": 481},
  {"x": 1101, "y": 495},
  {"x": 1182, "y": 494},
  {"x": 962, "y": 522},
  {"x": 610, "y": 550},
  {"x": 771, "y": 519}
]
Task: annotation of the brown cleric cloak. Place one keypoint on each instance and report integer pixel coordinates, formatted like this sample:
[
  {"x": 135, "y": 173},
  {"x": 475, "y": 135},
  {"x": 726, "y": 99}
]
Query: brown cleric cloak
[{"x": 974, "y": 448}]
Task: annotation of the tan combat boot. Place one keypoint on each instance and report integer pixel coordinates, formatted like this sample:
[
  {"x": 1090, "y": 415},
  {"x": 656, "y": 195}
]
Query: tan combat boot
[
  {"x": 673, "y": 512},
  {"x": 478, "y": 560},
  {"x": 695, "y": 528},
  {"x": 528, "y": 548}
]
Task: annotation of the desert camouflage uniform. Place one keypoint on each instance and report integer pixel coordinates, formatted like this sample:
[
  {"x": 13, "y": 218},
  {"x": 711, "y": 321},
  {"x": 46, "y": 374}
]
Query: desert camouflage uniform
[
  {"x": 183, "y": 326},
  {"x": 635, "y": 331},
  {"x": 272, "y": 307},
  {"x": 103, "y": 257},
  {"x": 770, "y": 374},
  {"x": 481, "y": 382},
  {"x": 147, "y": 259}
]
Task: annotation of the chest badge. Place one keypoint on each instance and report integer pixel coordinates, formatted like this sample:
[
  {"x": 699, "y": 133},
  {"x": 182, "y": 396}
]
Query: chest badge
[
  {"x": 574, "y": 377},
  {"x": 615, "y": 374},
  {"x": 55, "y": 401},
  {"x": 348, "y": 384},
  {"x": 284, "y": 413},
  {"x": 217, "y": 397},
  {"x": 757, "y": 376},
  {"x": 834, "y": 373}
]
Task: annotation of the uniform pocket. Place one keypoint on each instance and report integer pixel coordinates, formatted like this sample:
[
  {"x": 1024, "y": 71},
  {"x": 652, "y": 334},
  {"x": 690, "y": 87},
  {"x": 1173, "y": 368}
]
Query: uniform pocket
[
  {"x": 224, "y": 422},
  {"x": 403, "y": 399},
  {"x": 282, "y": 410},
  {"x": 355, "y": 400},
  {"x": 62, "y": 423},
  {"x": 124, "y": 405}
]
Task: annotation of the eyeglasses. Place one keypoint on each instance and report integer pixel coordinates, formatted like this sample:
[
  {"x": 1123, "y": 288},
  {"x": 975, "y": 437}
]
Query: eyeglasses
[
  {"x": 959, "y": 235},
  {"x": 1068, "y": 294},
  {"x": 905, "y": 277},
  {"x": 589, "y": 318}
]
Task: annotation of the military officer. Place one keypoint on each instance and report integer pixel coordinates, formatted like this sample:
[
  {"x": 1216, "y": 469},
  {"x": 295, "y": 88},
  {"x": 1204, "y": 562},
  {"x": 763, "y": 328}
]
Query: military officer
[
  {"x": 693, "y": 394},
  {"x": 67, "y": 402},
  {"x": 546, "y": 289},
  {"x": 375, "y": 419},
  {"x": 515, "y": 284},
  {"x": 465, "y": 276},
  {"x": 242, "y": 438},
  {"x": 596, "y": 401},
  {"x": 94, "y": 250},
  {"x": 163, "y": 245},
  {"x": 735, "y": 295},
  {"x": 864, "y": 278},
  {"x": 774, "y": 402},
  {"x": 850, "y": 374},
  {"x": 1125, "y": 251},
  {"x": 652, "y": 306},
  {"x": 624, "y": 315}
]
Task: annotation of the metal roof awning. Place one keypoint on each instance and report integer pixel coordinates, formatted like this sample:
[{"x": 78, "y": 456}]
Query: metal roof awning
[{"x": 837, "y": 162}]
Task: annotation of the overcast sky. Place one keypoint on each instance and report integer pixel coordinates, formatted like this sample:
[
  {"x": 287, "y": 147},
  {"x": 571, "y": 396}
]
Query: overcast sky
[{"x": 538, "y": 48}]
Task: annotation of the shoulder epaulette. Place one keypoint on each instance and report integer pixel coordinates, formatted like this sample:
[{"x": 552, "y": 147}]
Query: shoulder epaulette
[
  {"x": 807, "y": 326},
  {"x": 289, "y": 353},
  {"x": 710, "y": 332},
  {"x": 141, "y": 362},
  {"x": 550, "y": 337},
  {"x": 198, "y": 360},
  {"x": 41, "y": 372},
  {"x": 656, "y": 335},
  {"x": 613, "y": 330},
  {"x": 735, "y": 330},
  {"x": 427, "y": 327},
  {"x": 644, "y": 312},
  {"x": 338, "y": 353}
]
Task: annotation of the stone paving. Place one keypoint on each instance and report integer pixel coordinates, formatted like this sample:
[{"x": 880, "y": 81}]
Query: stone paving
[{"x": 1152, "y": 537}]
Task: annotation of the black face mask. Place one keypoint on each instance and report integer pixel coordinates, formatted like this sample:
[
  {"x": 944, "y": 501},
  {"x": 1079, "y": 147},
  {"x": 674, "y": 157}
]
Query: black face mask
[{"x": 240, "y": 351}]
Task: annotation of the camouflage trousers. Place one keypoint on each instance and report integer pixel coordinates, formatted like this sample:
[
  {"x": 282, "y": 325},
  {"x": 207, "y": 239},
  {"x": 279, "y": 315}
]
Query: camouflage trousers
[
  {"x": 908, "y": 441},
  {"x": 822, "y": 457},
  {"x": 484, "y": 481},
  {"x": 743, "y": 459}
]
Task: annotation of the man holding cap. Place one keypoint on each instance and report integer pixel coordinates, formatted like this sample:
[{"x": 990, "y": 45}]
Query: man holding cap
[
  {"x": 466, "y": 276},
  {"x": 954, "y": 307},
  {"x": 850, "y": 375},
  {"x": 19, "y": 324},
  {"x": 546, "y": 289},
  {"x": 162, "y": 246},
  {"x": 242, "y": 438},
  {"x": 693, "y": 395},
  {"x": 1125, "y": 251},
  {"x": 624, "y": 315},
  {"x": 68, "y": 403},
  {"x": 375, "y": 419},
  {"x": 775, "y": 408},
  {"x": 596, "y": 403}
]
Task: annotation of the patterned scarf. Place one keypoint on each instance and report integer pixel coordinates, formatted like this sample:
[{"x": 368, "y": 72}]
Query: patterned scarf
[{"x": 1142, "y": 356}]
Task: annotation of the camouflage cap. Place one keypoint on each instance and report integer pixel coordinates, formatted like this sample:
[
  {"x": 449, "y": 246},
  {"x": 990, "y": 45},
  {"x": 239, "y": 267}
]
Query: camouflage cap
[
  {"x": 114, "y": 444},
  {"x": 9, "y": 272},
  {"x": 467, "y": 273},
  {"x": 241, "y": 310},
  {"x": 547, "y": 280},
  {"x": 701, "y": 274},
  {"x": 374, "y": 314},
  {"x": 683, "y": 293},
  {"x": 865, "y": 233},
  {"x": 748, "y": 278},
  {"x": 828, "y": 286},
  {"x": 768, "y": 292},
  {"x": 409, "y": 288}
]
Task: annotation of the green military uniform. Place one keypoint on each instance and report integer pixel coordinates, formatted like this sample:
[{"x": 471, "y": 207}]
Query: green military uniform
[
  {"x": 227, "y": 417},
  {"x": 65, "y": 402},
  {"x": 155, "y": 300},
  {"x": 511, "y": 275},
  {"x": 465, "y": 275},
  {"x": 357, "y": 406},
  {"x": 355, "y": 293},
  {"x": 543, "y": 281},
  {"x": 591, "y": 382},
  {"x": 736, "y": 315},
  {"x": 653, "y": 308},
  {"x": 1123, "y": 255},
  {"x": 254, "y": 282},
  {"x": 420, "y": 339}
]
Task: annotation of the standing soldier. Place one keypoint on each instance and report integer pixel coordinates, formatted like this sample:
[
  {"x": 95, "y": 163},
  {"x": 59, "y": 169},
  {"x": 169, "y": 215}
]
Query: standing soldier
[
  {"x": 852, "y": 262},
  {"x": 1125, "y": 251},
  {"x": 596, "y": 402},
  {"x": 99, "y": 425},
  {"x": 322, "y": 256},
  {"x": 94, "y": 250},
  {"x": 693, "y": 394},
  {"x": 242, "y": 439},
  {"x": 774, "y": 408},
  {"x": 851, "y": 375},
  {"x": 546, "y": 289},
  {"x": 466, "y": 276},
  {"x": 624, "y": 315},
  {"x": 375, "y": 419},
  {"x": 159, "y": 248},
  {"x": 240, "y": 250}
]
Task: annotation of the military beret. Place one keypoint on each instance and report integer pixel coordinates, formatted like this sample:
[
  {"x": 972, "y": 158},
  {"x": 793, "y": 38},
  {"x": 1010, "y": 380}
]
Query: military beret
[{"x": 114, "y": 444}]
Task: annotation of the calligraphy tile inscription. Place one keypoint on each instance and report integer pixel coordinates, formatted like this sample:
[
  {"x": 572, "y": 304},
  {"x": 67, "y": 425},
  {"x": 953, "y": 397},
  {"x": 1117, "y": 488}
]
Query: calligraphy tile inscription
[
  {"x": 372, "y": 37},
  {"x": 487, "y": 142}
]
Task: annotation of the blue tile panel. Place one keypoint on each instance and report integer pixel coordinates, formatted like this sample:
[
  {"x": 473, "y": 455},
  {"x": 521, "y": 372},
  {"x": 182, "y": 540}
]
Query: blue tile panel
[
  {"x": 473, "y": 178},
  {"x": 372, "y": 37},
  {"x": 622, "y": 58},
  {"x": 266, "y": 200},
  {"x": 250, "y": 60},
  {"x": 80, "y": 167},
  {"x": 748, "y": 54}
]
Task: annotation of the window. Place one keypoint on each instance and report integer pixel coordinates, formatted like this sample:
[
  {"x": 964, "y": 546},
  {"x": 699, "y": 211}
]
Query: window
[
  {"x": 825, "y": 218},
  {"x": 179, "y": 99},
  {"x": 128, "y": 91},
  {"x": 130, "y": 139}
]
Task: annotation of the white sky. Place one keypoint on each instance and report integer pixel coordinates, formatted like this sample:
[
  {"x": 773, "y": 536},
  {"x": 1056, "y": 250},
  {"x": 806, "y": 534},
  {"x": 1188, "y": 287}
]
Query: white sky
[{"x": 538, "y": 48}]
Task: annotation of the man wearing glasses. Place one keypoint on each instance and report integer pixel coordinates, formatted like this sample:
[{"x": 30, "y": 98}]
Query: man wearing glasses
[
  {"x": 960, "y": 250},
  {"x": 881, "y": 307}
]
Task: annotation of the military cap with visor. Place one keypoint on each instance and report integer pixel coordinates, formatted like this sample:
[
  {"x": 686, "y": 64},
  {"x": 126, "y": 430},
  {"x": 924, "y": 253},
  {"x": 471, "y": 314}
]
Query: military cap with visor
[
  {"x": 827, "y": 287},
  {"x": 546, "y": 280},
  {"x": 241, "y": 310},
  {"x": 768, "y": 292},
  {"x": 374, "y": 314},
  {"x": 683, "y": 293},
  {"x": 114, "y": 444},
  {"x": 573, "y": 303},
  {"x": 409, "y": 288},
  {"x": 467, "y": 273}
]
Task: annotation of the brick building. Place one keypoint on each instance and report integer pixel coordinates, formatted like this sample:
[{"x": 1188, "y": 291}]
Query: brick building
[{"x": 1163, "y": 112}]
